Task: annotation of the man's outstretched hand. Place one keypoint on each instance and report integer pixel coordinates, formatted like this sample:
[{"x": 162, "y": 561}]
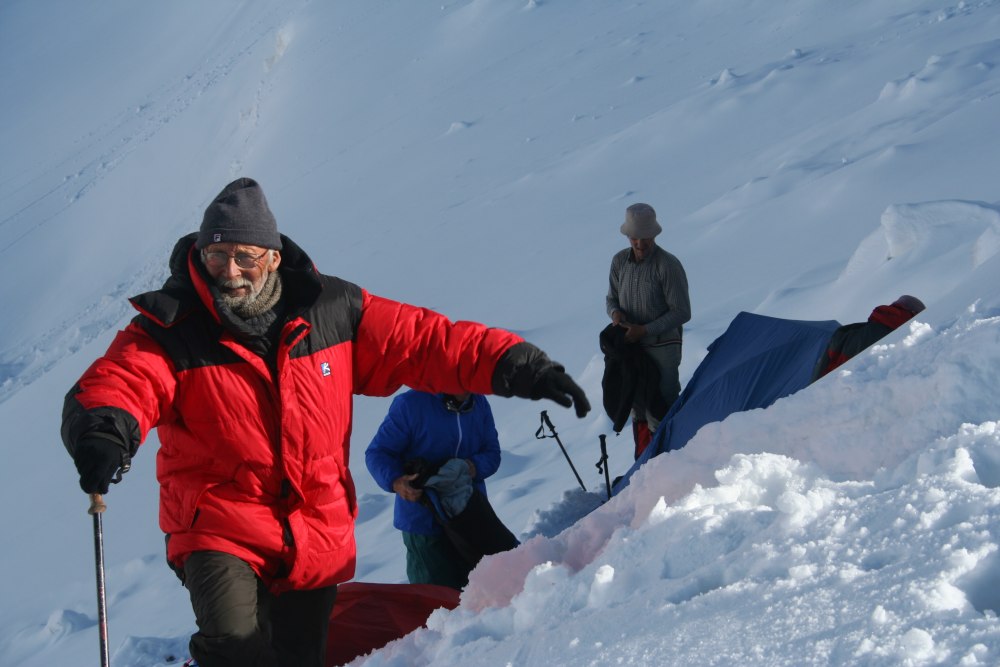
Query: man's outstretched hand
[
  {"x": 526, "y": 371},
  {"x": 556, "y": 385}
]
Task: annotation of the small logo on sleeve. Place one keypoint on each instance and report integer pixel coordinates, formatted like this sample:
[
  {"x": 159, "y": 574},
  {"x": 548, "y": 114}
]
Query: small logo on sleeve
[{"x": 324, "y": 368}]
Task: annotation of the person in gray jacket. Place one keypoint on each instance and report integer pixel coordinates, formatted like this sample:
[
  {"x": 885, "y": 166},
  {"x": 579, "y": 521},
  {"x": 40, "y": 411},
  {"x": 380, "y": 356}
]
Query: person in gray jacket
[{"x": 648, "y": 296}]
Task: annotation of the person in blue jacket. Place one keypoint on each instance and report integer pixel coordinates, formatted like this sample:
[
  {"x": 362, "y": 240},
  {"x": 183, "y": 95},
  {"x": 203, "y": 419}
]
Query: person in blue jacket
[{"x": 435, "y": 428}]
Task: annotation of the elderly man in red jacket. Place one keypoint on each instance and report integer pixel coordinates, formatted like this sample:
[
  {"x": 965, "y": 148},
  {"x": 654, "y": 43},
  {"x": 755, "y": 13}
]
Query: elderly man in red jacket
[{"x": 246, "y": 361}]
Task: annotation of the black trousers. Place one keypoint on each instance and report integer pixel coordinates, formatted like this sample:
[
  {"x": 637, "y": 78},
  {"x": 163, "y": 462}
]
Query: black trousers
[{"x": 241, "y": 623}]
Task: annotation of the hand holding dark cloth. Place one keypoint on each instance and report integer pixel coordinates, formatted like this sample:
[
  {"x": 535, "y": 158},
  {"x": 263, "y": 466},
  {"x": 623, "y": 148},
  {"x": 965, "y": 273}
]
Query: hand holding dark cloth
[
  {"x": 403, "y": 487},
  {"x": 527, "y": 372},
  {"x": 98, "y": 461}
]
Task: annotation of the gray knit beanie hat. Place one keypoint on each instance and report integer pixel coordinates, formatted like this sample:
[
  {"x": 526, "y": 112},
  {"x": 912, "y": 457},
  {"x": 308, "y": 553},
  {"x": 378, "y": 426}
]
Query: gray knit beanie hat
[
  {"x": 640, "y": 222},
  {"x": 239, "y": 214}
]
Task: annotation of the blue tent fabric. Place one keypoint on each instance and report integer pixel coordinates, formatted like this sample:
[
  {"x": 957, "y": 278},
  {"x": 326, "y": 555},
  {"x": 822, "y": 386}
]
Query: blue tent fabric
[{"x": 758, "y": 360}]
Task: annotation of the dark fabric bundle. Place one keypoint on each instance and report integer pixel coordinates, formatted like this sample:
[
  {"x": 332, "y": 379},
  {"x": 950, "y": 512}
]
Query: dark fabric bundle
[
  {"x": 628, "y": 372},
  {"x": 475, "y": 530}
]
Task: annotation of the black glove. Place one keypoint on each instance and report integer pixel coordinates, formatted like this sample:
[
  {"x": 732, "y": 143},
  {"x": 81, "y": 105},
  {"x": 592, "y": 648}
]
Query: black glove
[
  {"x": 553, "y": 383},
  {"x": 526, "y": 371},
  {"x": 98, "y": 461}
]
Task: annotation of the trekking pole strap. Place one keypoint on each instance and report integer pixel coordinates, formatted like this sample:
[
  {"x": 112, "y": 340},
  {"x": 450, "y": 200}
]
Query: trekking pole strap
[
  {"x": 546, "y": 422},
  {"x": 602, "y": 464}
]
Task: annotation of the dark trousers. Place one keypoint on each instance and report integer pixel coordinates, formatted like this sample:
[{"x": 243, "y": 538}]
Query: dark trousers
[
  {"x": 432, "y": 559},
  {"x": 241, "y": 623},
  {"x": 668, "y": 360}
]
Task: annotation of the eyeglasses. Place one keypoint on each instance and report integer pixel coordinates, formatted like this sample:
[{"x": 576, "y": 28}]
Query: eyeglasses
[{"x": 244, "y": 260}]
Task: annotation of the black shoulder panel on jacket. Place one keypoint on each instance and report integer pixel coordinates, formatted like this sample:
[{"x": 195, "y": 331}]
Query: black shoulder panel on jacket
[
  {"x": 193, "y": 342},
  {"x": 335, "y": 316},
  {"x": 177, "y": 298}
]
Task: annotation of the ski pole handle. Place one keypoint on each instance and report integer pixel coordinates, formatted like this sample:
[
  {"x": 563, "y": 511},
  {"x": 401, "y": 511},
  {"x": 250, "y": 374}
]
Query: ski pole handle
[
  {"x": 97, "y": 505},
  {"x": 547, "y": 421}
]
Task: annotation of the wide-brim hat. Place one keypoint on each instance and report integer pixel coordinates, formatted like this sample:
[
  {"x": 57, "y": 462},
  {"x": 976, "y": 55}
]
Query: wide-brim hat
[{"x": 640, "y": 222}]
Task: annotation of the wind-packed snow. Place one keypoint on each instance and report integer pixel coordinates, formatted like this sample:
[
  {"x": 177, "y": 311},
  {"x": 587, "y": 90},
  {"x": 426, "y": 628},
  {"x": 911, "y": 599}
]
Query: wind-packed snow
[{"x": 808, "y": 159}]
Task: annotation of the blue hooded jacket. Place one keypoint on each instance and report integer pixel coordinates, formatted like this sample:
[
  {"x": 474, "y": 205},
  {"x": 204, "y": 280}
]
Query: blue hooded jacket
[{"x": 420, "y": 425}]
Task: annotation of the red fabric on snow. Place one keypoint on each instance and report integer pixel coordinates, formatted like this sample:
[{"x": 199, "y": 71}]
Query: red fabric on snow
[{"x": 368, "y": 616}]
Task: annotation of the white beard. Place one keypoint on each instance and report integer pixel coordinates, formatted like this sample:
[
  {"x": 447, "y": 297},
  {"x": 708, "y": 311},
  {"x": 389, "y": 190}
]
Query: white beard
[{"x": 241, "y": 305}]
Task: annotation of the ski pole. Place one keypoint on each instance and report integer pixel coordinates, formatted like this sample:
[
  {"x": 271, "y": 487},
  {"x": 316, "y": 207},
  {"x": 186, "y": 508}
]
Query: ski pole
[
  {"x": 602, "y": 465},
  {"x": 540, "y": 434},
  {"x": 97, "y": 508}
]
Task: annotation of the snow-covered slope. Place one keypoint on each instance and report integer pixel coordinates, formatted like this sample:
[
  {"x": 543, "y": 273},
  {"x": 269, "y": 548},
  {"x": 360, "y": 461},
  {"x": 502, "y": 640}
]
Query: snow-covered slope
[{"x": 808, "y": 159}]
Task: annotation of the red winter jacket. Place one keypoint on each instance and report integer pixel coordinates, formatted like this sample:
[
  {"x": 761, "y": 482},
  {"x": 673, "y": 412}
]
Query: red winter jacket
[
  {"x": 254, "y": 462},
  {"x": 849, "y": 340}
]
